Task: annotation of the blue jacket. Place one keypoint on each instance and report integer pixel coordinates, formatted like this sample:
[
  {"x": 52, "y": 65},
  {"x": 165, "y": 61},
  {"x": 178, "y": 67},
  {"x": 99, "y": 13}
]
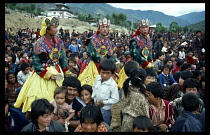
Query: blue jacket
[
  {"x": 162, "y": 79},
  {"x": 186, "y": 122}
]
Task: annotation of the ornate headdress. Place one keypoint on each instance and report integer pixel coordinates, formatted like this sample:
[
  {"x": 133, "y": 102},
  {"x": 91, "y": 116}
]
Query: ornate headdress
[
  {"x": 105, "y": 21},
  {"x": 47, "y": 22},
  {"x": 143, "y": 22}
]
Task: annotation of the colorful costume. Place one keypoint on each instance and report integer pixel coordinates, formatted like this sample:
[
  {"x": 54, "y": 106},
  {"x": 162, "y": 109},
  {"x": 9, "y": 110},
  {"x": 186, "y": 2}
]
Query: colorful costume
[
  {"x": 97, "y": 50},
  {"x": 48, "y": 58}
]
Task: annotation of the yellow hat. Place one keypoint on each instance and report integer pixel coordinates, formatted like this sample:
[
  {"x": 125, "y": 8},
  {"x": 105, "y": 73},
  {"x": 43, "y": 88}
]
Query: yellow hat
[{"x": 47, "y": 22}]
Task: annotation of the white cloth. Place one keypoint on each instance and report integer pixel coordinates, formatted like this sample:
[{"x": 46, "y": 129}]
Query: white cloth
[
  {"x": 106, "y": 91},
  {"x": 21, "y": 78}
]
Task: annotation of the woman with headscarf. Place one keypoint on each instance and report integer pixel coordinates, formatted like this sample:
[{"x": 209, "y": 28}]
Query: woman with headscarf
[{"x": 49, "y": 62}]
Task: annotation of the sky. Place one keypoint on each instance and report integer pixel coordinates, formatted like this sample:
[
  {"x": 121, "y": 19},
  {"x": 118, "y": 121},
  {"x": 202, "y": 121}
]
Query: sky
[{"x": 173, "y": 9}]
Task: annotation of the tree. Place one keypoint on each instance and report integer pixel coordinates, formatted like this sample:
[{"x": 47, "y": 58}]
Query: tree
[
  {"x": 122, "y": 18},
  {"x": 174, "y": 27},
  {"x": 185, "y": 29}
]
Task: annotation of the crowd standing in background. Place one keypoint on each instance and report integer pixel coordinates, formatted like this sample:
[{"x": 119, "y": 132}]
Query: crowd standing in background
[{"x": 164, "y": 71}]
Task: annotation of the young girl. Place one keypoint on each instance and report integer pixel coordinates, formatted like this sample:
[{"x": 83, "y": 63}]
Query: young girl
[
  {"x": 11, "y": 87},
  {"x": 62, "y": 111},
  {"x": 85, "y": 94},
  {"x": 181, "y": 53},
  {"x": 23, "y": 58},
  {"x": 134, "y": 102}
]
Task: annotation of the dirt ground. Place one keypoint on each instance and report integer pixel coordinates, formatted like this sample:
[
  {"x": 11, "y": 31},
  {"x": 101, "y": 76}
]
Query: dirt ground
[{"x": 116, "y": 122}]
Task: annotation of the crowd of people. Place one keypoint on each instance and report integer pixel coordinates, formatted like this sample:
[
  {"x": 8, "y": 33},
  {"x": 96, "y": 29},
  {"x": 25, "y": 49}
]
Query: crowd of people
[{"x": 62, "y": 81}]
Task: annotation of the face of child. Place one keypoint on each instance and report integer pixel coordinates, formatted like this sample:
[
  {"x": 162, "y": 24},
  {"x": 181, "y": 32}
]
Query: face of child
[
  {"x": 139, "y": 130},
  {"x": 194, "y": 90},
  {"x": 165, "y": 71},
  {"x": 149, "y": 79},
  {"x": 73, "y": 42},
  {"x": 60, "y": 98},
  {"x": 71, "y": 93},
  {"x": 85, "y": 96},
  {"x": 151, "y": 98},
  {"x": 9, "y": 59},
  {"x": 44, "y": 121},
  {"x": 190, "y": 54},
  {"x": 26, "y": 71},
  {"x": 89, "y": 126},
  {"x": 172, "y": 58},
  {"x": 105, "y": 75},
  {"x": 161, "y": 57},
  {"x": 25, "y": 55},
  {"x": 71, "y": 64},
  {"x": 12, "y": 78}
]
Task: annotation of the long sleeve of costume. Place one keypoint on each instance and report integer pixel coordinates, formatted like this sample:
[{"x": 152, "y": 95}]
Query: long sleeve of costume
[
  {"x": 137, "y": 55},
  {"x": 92, "y": 53},
  {"x": 63, "y": 61}
]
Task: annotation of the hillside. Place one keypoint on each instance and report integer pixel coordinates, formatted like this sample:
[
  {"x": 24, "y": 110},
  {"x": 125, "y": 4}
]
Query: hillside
[
  {"x": 16, "y": 20},
  {"x": 199, "y": 26},
  {"x": 193, "y": 17}
]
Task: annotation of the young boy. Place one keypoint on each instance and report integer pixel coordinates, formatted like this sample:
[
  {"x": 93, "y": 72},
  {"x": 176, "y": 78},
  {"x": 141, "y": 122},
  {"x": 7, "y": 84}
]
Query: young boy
[
  {"x": 151, "y": 76},
  {"x": 23, "y": 58},
  {"x": 73, "y": 47},
  {"x": 105, "y": 90},
  {"x": 187, "y": 121},
  {"x": 24, "y": 73},
  {"x": 160, "y": 110},
  {"x": 142, "y": 124},
  {"x": 158, "y": 64},
  {"x": 190, "y": 85}
]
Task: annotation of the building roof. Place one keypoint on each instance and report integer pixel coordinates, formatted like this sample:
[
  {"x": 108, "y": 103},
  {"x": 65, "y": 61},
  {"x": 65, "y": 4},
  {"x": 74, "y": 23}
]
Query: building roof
[
  {"x": 60, "y": 4},
  {"x": 54, "y": 9}
]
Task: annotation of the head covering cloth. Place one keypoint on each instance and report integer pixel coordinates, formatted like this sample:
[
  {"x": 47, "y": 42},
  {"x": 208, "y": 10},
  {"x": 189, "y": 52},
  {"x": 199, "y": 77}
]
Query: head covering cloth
[
  {"x": 141, "y": 23},
  {"x": 47, "y": 22}
]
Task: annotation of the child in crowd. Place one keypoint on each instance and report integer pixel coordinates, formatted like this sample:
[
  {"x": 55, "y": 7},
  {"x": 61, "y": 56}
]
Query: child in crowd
[
  {"x": 73, "y": 47},
  {"x": 6, "y": 68},
  {"x": 41, "y": 120},
  {"x": 151, "y": 76},
  {"x": 105, "y": 90},
  {"x": 73, "y": 66},
  {"x": 165, "y": 78},
  {"x": 23, "y": 58},
  {"x": 173, "y": 60},
  {"x": 86, "y": 93},
  {"x": 133, "y": 101},
  {"x": 11, "y": 87},
  {"x": 160, "y": 110},
  {"x": 11, "y": 60},
  {"x": 91, "y": 120},
  {"x": 24, "y": 73},
  {"x": 181, "y": 53},
  {"x": 187, "y": 121},
  {"x": 61, "y": 109},
  {"x": 164, "y": 48},
  {"x": 142, "y": 124},
  {"x": 158, "y": 62},
  {"x": 190, "y": 85}
]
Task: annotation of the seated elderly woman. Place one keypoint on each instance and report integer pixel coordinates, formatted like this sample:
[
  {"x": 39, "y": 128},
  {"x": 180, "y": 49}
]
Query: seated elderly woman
[{"x": 91, "y": 120}]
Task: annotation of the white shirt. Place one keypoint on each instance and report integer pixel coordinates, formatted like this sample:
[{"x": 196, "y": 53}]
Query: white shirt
[
  {"x": 106, "y": 91},
  {"x": 21, "y": 78},
  {"x": 181, "y": 55}
]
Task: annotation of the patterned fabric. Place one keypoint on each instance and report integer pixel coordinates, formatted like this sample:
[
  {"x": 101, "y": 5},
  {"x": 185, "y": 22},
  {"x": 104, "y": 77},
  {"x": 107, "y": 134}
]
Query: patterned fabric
[
  {"x": 101, "y": 128},
  {"x": 141, "y": 50},
  {"x": 134, "y": 104}
]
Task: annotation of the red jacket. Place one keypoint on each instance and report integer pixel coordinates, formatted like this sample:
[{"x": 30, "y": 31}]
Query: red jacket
[{"x": 168, "y": 113}]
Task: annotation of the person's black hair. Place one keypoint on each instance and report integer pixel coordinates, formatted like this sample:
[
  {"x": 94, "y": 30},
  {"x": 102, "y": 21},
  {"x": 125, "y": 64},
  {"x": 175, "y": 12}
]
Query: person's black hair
[
  {"x": 72, "y": 82},
  {"x": 197, "y": 31},
  {"x": 23, "y": 66},
  {"x": 6, "y": 64},
  {"x": 185, "y": 66},
  {"x": 159, "y": 36},
  {"x": 159, "y": 54},
  {"x": 91, "y": 113},
  {"x": 150, "y": 72},
  {"x": 185, "y": 74},
  {"x": 166, "y": 66},
  {"x": 22, "y": 53},
  {"x": 179, "y": 63},
  {"x": 108, "y": 65},
  {"x": 191, "y": 83},
  {"x": 39, "y": 107},
  {"x": 86, "y": 87},
  {"x": 59, "y": 90},
  {"x": 72, "y": 59},
  {"x": 13, "y": 57},
  {"x": 143, "y": 123},
  {"x": 17, "y": 49},
  {"x": 10, "y": 73},
  {"x": 156, "y": 89},
  {"x": 129, "y": 65},
  {"x": 202, "y": 78},
  {"x": 190, "y": 101},
  {"x": 196, "y": 73},
  {"x": 166, "y": 60},
  {"x": 181, "y": 47},
  {"x": 68, "y": 51},
  {"x": 169, "y": 51},
  {"x": 137, "y": 77}
]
